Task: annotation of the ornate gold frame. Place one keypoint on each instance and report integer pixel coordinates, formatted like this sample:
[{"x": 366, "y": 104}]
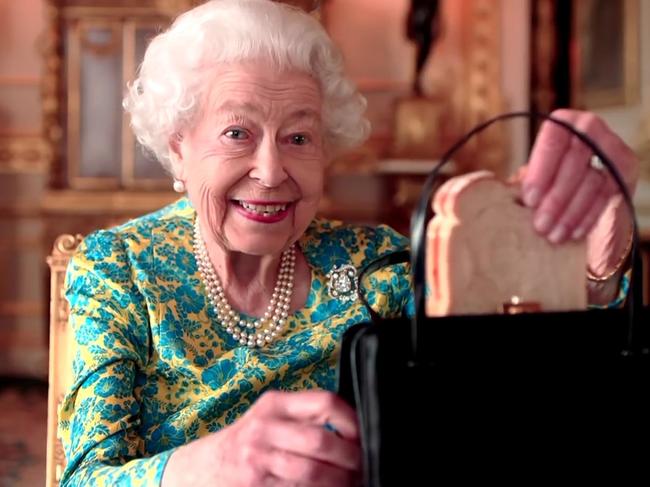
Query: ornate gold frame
[
  {"x": 81, "y": 14},
  {"x": 24, "y": 154},
  {"x": 124, "y": 32},
  {"x": 75, "y": 41}
]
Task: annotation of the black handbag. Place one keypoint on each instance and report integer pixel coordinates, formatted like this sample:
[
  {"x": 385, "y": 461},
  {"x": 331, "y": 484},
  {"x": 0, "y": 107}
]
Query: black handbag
[{"x": 506, "y": 398}]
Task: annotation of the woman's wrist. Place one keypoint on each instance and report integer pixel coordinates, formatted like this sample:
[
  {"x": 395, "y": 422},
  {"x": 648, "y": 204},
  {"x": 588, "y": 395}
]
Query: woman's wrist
[
  {"x": 603, "y": 293},
  {"x": 617, "y": 269},
  {"x": 609, "y": 248},
  {"x": 184, "y": 464},
  {"x": 604, "y": 288}
]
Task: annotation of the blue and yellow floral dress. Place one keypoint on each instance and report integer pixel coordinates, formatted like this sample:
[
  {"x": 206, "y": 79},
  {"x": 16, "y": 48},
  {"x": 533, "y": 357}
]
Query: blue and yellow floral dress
[{"x": 154, "y": 369}]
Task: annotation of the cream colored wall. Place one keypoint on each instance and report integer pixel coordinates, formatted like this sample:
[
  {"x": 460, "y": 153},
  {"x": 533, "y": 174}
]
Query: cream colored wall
[
  {"x": 21, "y": 23},
  {"x": 23, "y": 310},
  {"x": 515, "y": 73}
]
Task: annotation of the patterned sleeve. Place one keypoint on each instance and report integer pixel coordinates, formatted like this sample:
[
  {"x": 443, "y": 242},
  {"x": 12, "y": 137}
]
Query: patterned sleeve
[
  {"x": 99, "y": 418},
  {"x": 388, "y": 290}
]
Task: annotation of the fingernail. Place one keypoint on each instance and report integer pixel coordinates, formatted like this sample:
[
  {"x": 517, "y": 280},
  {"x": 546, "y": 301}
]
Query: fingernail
[
  {"x": 531, "y": 197},
  {"x": 543, "y": 222},
  {"x": 578, "y": 233},
  {"x": 558, "y": 234}
]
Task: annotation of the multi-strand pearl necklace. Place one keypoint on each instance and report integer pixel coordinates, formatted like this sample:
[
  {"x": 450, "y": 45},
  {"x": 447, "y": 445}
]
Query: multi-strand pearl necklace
[{"x": 251, "y": 333}]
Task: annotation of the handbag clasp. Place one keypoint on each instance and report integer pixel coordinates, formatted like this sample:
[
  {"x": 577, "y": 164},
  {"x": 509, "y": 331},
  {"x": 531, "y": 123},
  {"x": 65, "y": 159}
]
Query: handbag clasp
[{"x": 516, "y": 306}]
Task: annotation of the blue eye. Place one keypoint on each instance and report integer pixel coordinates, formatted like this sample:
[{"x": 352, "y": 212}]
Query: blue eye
[
  {"x": 237, "y": 134},
  {"x": 299, "y": 139}
]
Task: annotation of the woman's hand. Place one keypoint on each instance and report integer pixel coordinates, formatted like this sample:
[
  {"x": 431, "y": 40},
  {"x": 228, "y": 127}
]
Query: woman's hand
[
  {"x": 281, "y": 441},
  {"x": 572, "y": 199}
]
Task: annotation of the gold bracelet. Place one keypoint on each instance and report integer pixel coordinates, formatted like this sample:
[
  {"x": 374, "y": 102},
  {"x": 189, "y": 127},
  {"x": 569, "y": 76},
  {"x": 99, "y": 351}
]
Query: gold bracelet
[{"x": 617, "y": 267}]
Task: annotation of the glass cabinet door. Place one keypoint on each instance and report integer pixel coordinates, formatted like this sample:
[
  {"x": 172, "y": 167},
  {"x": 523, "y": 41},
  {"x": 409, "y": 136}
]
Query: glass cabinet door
[{"x": 101, "y": 56}]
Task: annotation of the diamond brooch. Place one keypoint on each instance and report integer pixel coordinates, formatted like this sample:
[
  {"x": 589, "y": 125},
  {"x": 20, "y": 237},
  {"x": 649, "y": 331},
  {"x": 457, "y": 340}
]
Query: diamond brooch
[{"x": 342, "y": 283}]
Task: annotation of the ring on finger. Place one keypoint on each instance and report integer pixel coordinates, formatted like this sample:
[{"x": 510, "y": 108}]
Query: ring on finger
[{"x": 596, "y": 163}]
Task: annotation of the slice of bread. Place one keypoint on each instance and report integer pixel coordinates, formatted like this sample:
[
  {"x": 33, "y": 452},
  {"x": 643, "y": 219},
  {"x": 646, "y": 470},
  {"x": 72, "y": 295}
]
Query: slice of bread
[{"x": 482, "y": 251}]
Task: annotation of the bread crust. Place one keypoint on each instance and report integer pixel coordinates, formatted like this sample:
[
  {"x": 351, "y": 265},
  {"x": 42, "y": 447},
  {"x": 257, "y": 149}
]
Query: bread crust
[{"x": 482, "y": 250}]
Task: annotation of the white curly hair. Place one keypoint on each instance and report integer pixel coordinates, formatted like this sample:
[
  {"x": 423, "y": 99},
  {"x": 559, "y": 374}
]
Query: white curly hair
[{"x": 174, "y": 76}]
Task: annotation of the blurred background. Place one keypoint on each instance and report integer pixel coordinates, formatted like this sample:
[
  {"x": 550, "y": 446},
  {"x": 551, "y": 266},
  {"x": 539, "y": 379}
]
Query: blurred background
[{"x": 430, "y": 70}]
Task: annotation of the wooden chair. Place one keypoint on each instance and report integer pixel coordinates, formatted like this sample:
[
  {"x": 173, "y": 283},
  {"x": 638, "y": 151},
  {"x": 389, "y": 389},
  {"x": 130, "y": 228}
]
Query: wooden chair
[{"x": 61, "y": 353}]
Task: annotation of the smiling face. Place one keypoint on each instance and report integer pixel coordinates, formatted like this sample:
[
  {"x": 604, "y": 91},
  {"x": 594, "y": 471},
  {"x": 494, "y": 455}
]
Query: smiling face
[{"x": 253, "y": 163}]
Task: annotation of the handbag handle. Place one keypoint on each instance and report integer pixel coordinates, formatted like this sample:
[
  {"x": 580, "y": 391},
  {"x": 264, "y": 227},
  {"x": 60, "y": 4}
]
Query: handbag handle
[{"x": 423, "y": 212}]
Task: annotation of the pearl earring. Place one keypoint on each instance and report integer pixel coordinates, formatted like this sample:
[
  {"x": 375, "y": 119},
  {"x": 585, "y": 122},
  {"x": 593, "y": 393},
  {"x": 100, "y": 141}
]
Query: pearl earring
[{"x": 179, "y": 186}]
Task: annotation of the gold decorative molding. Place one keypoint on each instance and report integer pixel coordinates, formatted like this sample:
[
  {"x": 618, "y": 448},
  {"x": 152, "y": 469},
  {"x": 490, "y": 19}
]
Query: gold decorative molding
[
  {"x": 172, "y": 8},
  {"x": 643, "y": 147},
  {"x": 64, "y": 247},
  {"x": 169, "y": 8},
  {"x": 544, "y": 55},
  {"x": 51, "y": 48},
  {"x": 481, "y": 94},
  {"x": 24, "y": 154},
  {"x": 111, "y": 8}
]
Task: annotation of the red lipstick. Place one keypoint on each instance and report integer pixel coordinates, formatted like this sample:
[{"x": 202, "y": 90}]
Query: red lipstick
[{"x": 262, "y": 217}]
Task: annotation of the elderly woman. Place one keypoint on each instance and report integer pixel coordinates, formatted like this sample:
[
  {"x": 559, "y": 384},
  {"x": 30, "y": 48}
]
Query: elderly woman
[{"x": 184, "y": 317}]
